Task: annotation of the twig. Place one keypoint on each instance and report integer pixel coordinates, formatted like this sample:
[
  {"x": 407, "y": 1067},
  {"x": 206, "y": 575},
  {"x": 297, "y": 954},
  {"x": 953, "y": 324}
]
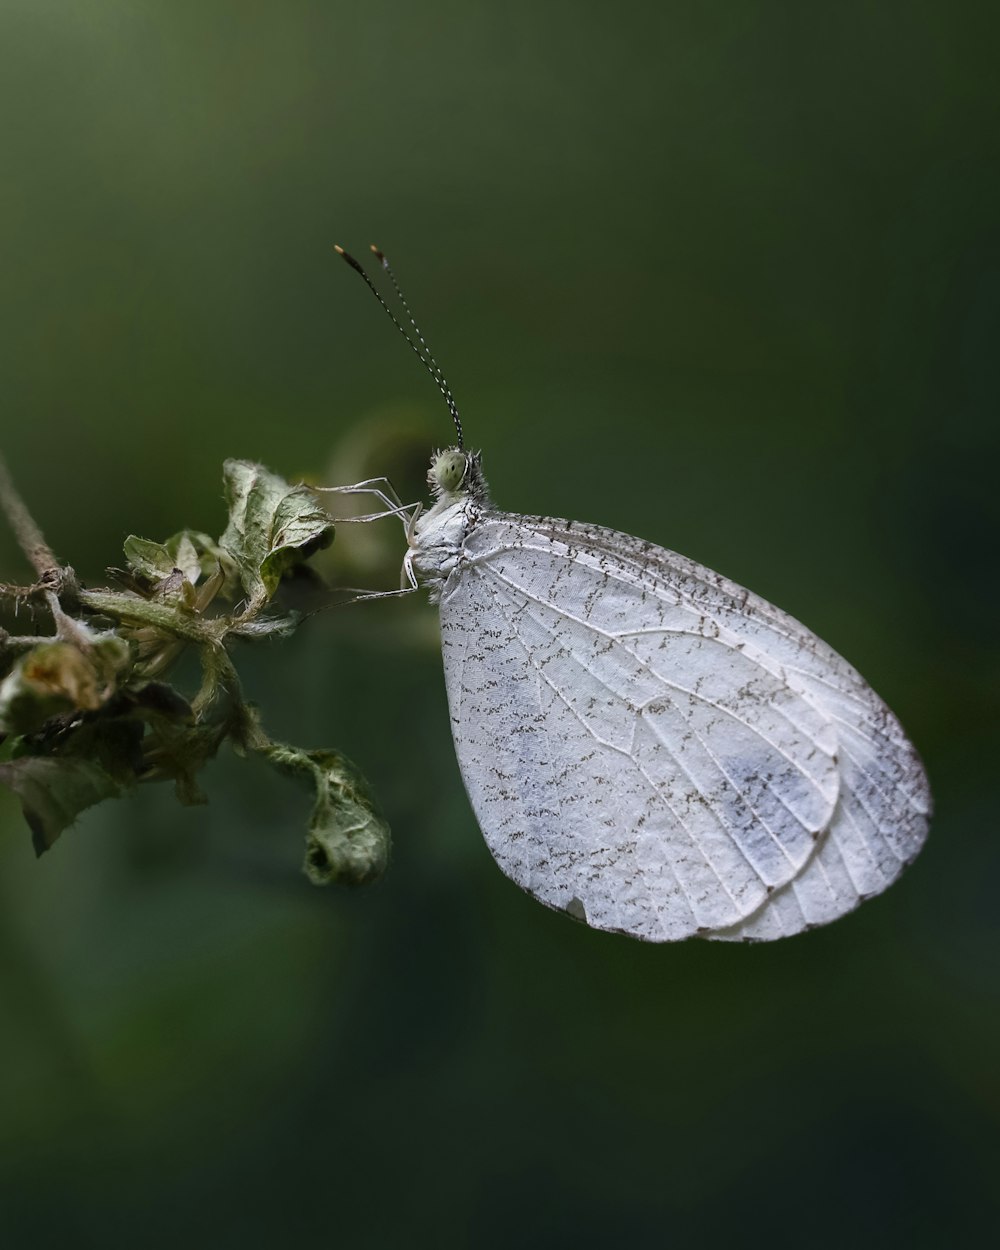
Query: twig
[
  {"x": 9, "y": 591},
  {"x": 52, "y": 576},
  {"x": 29, "y": 536},
  {"x": 20, "y": 642}
]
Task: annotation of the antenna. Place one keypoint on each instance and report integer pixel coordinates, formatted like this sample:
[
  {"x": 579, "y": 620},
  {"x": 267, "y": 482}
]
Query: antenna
[{"x": 423, "y": 352}]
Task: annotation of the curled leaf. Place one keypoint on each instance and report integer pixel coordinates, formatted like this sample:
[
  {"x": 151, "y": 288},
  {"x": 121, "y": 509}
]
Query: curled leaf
[
  {"x": 272, "y": 526},
  {"x": 58, "y": 677},
  {"x": 348, "y": 839}
]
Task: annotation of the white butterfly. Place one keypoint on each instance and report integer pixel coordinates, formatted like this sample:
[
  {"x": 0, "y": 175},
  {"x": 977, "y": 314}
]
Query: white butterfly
[{"x": 646, "y": 745}]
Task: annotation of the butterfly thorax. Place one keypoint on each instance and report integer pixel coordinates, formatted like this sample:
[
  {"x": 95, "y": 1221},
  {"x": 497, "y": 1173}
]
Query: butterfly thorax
[{"x": 461, "y": 496}]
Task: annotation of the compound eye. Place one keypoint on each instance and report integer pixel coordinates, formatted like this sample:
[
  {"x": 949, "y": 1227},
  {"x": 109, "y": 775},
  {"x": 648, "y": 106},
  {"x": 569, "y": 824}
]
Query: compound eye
[{"x": 448, "y": 469}]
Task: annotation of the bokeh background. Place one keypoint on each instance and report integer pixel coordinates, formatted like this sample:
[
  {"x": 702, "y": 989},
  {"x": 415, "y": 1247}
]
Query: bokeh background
[{"x": 725, "y": 276}]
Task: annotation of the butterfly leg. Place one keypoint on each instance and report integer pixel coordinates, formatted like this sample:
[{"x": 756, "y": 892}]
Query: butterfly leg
[
  {"x": 385, "y": 492},
  {"x": 407, "y": 577}
]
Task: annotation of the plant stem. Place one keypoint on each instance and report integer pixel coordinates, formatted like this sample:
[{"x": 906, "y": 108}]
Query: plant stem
[
  {"x": 124, "y": 606},
  {"x": 52, "y": 576},
  {"x": 29, "y": 536},
  {"x": 21, "y": 642},
  {"x": 18, "y": 593}
]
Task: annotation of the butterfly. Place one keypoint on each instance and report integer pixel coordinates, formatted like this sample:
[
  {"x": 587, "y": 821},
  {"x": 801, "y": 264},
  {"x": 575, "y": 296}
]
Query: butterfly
[{"x": 648, "y": 746}]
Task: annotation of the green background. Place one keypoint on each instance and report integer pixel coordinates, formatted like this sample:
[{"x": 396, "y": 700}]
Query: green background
[{"x": 724, "y": 276}]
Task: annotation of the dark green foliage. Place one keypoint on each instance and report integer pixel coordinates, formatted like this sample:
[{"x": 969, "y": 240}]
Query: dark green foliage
[{"x": 86, "y": 715}]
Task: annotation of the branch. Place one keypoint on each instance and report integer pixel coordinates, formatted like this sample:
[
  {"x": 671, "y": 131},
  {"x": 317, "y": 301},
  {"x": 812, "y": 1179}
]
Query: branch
[
  {"x": 53, "y": 578},
  {"x": 19, "y": 642},
  {"x": 29, "y": 536},
  {"x": 21, "y": 593}
]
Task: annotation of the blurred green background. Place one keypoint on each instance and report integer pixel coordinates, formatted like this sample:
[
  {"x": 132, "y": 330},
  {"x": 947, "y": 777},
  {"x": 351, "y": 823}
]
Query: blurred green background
[{"x": 724, "y": 276}]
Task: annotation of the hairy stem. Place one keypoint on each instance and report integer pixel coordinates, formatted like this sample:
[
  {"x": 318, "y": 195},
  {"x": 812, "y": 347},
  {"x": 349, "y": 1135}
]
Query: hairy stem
[
  {"x": 52, "y": 576},
  {"x": 29, "y": 536},
  {"x": 20, "y": 594},
  {"x": 20, "y": 642},
  {"x": 123, "y": 606}
]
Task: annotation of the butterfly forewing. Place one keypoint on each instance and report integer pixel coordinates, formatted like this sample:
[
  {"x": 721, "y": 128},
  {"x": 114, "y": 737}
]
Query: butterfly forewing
[{"x": 650, "y": 746}]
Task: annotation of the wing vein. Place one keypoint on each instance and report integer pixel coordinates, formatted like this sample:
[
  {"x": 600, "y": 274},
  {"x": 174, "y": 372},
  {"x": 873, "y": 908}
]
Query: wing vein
[
  {"x": 724, "y": 826},
  {"x": 683, "y": 690},
  {"x": 647, "y": 778}
]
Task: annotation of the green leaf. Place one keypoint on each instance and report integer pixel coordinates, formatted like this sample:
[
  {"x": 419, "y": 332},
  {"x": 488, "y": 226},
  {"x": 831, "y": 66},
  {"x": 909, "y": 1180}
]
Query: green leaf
[
  {"x": 348, "y": 839},
  {"x": 272, "y": 526},
  {"x": 151, "y": 560},
  {"x": 55, "y": 790},
  {"x": 192, "y": 553},
  {"x": 196, "y": 554}
]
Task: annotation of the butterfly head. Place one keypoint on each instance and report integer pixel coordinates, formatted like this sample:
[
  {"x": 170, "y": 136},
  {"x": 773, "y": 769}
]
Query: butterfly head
[{"x": 455, "y": 472}]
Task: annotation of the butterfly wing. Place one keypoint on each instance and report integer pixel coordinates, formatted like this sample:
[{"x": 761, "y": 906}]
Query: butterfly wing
[{"x": 656, "y": 750}]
